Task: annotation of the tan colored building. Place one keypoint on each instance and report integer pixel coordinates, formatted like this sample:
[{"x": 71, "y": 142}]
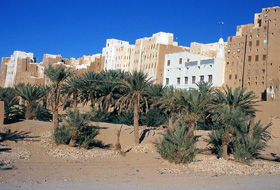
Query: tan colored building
[
  {"x": 123, "y": 57},
  {"x": 208, "y": 50},
  {"x": 21, "y": 67},
  {"x": 150, "y": 54},
  {"x": 253, "y": 55},
  {"x": 85, "y": 63}
]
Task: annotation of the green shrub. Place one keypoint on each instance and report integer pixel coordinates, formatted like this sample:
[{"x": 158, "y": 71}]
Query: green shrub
[
  {"x": 101, "y": 116},
  {"x": 125, "y": 117},
  {"x": 12, "y": 110},
  {"x": 215, "y": 139},
  {"x": 41, "y": 113},
  {"x": 155, "y": 117},
  {"x": 244, "y": 149},
  {"x": 176, "y": 146},
  {"x": 61, "y": 135},
  {"x": 76, "y": 129}
]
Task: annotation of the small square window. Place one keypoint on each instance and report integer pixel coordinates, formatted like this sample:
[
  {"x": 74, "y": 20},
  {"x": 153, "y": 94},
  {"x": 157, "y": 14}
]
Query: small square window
[
  {"x": 180, "y": 61},
  {"x": 178, "y": 80},
  {"x": 201, "y": 78},
  {"x": 186, "y": 80},
  {"x": 167, "y": 81},
  {"x": 193, "y": 79},
  {"x": 210, "y": 78}
]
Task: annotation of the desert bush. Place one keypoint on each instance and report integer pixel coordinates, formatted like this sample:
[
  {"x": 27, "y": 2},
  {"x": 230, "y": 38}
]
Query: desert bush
[
  {"x": 61, "y": 135},
  {"x": 12, "y": 109},
  {"x": 99, "y": 115},
  {"x": 235, "y": 127},
  {"x": 125, "y": 117},
  {"x": 155, "y": 117},
  {"x": 176, "y": 146},
  {"x": 75, "y": 130},
  {"x": 41, "y": 113},
  {"x": 245, "y": 149}
]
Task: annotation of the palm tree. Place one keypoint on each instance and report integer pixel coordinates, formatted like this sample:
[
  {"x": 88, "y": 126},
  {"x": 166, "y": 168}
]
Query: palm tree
[
  {"x": 57, "y": 74},
  {"x": 72, "y": 87},
  {"x": 229, "y": 120},
  {"x": 46, "y": 90},
  {"x": 30, "y": 94},
  {"x": 109, "y": 91},
  {"x": 168, "y": 102},
  {"x": 154, "y": 92},
  {"x": 239, "y": 98},
  {"x": 11, "y": 103},
  {"x": 90, "y": 86},
  {"x": 193, "y": 104},
  {"x": 134, "y": 87}
]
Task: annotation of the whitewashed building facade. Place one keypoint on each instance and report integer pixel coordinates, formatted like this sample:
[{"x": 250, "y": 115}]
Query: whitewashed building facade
[{"x": 185, "y": 69}]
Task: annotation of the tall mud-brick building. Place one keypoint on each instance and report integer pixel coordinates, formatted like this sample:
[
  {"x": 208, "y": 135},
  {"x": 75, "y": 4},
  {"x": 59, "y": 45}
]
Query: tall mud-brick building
[{"x": 253, "y": 55}]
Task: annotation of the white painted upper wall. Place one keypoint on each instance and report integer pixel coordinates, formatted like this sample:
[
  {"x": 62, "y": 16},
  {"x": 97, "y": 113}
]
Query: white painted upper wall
[
  {"x": 12, "y": 66},
  {"x": 184, "y": 69},
  {"x": 109, "y": 51}
]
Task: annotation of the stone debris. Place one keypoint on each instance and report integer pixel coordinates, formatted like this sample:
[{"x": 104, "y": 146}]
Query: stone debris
[
  {"x": 210, "y": 164},
  {"x": 64, "y": 151},
  {"x": 17, "y": 153},
  {"x": 145, "y": 148}
]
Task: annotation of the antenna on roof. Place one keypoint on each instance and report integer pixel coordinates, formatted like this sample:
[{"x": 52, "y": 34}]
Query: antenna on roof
[{"x": 221, "y": 24}]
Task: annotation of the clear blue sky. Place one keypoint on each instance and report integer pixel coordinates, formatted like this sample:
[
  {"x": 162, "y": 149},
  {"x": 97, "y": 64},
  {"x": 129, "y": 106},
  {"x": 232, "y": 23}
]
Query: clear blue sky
[{"x": 74, "y": 28}]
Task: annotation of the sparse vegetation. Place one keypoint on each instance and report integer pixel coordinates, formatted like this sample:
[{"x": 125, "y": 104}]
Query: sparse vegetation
[
  {"x": 177, "y": 146},
  {"x": 75, "y": 130},
  {"x": 133, "y": 99}
]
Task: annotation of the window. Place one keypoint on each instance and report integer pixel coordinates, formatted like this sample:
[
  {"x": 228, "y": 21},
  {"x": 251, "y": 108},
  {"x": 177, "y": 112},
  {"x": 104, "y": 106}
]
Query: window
[
  {"x": 250, "y": 43},
  {"x": 180, "y": 61},
  {"x": 257, "y": 58},
  {"x": 210, "y": 77},
  {"x": 168, "y": 62},
  {"x": 249, "y": 58},
  {"x": 257, "y": 42},
  {"x": 263, "y": 70},
  {"x": 178, "y": 80},
  {"x": 186, "y": 80},
  {"x": 188, "y": 60},
  {"x": 264, "y": 57},
  {"x": 227, "y": 63},
  {"x": 264, "y": 42},
  {"x": 193, "y": 79},
  {"x": 235, "y": 76},
  {"x": 229, "y": 77},
  {"x": 167, "y": 81},
  {"x": 201, "y": 78}
]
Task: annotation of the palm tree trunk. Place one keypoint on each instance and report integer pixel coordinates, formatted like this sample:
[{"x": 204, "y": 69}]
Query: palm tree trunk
[
  {"x": 55, "y": 110},
  {"x": 170, "y": 125},
  {"x": 28, "y": 111},
  {"x": 136, "y": 119},
  {"x": 91, "y": 100},
  {"x": 190, "y": 133},
  {"x": 75, "y": 100},
  {"x": 251, "y": 126},
  {"x": 55, "y": 118},
  {"x": 225, "y": 143}
]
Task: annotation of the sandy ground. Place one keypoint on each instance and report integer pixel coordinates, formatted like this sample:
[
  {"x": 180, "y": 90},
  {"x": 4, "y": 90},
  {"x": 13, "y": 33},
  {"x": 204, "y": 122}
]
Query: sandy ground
[{"x": 37, "y": 169}]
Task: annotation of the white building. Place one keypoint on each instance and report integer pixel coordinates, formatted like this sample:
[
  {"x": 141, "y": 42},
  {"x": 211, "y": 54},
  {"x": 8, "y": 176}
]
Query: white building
[
  {"x": 13, "y": 64},
  {"x": 109, "y": 52},
  {"x": 184, "y": 69}
]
